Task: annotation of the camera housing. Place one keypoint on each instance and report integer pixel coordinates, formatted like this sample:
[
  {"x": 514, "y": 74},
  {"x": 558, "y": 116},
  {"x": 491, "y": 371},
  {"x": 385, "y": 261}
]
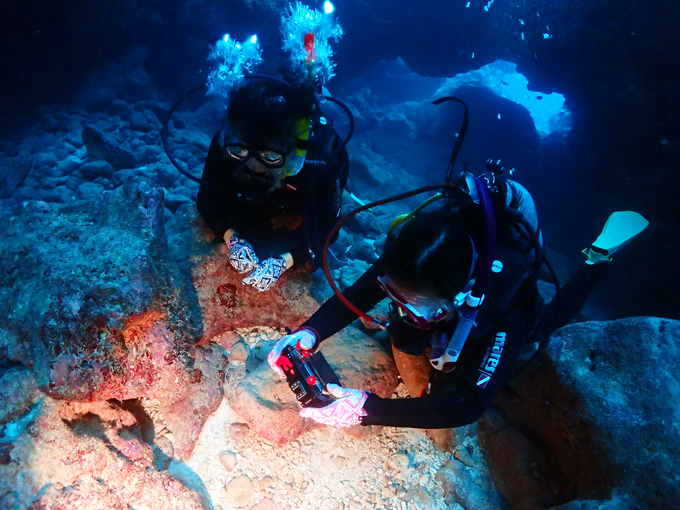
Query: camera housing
[{"x": 307, "y": 375}]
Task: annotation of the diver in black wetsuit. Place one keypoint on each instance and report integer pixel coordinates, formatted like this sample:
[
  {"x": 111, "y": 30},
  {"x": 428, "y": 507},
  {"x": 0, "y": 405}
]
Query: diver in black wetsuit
[
  {"x": 430, "y": 265},
  {"x": 271, "y": 209}
]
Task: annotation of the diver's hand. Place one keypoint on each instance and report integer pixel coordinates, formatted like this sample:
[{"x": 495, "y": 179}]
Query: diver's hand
[
  {"x": 304, "y": 340},
  {"x": 267, "y": 274},
  {"x": 344, "y": 412},
  {"x": 242, "y": 255}
]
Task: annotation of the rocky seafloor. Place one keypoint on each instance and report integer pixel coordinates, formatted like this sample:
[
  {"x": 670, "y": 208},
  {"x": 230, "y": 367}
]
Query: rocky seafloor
[{"x": 133, "y": 366}]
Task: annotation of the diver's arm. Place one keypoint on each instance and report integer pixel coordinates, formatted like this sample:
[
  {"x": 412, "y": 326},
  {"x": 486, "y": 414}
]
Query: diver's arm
[
  {"x": 469, "y": 392},
  {"x": 445, "y": 410},
  {"x": 333, "y": 315},
  {"x": 519, "y": 198}
]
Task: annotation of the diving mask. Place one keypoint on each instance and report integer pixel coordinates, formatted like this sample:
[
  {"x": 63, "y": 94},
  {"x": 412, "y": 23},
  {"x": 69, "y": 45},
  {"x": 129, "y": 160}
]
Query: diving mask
[
  {"x": 419, "y": 308},
  {"x": 270, "y": 158}
]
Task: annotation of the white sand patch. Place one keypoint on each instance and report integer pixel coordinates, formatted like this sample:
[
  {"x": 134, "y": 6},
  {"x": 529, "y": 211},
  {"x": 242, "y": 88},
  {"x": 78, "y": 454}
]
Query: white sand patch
[{"x": 324, "y": 469}]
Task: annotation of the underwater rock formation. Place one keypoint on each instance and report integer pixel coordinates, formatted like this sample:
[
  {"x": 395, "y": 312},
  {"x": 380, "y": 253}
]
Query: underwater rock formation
[
  {"x": 62, "y": 462},
  {"x": 91, "y": 292},
  {"x": 103, "y": 147},
  {"x": 597, "y": 415}
]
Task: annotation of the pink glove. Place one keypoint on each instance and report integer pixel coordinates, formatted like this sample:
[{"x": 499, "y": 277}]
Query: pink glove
[
  {"x": 306, "y": 340},
  {"x": 344, "y": 412}
]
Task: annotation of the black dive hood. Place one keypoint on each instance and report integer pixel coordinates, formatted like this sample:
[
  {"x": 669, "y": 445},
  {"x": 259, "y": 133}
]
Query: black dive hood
[{"x": 164, "y": 131}]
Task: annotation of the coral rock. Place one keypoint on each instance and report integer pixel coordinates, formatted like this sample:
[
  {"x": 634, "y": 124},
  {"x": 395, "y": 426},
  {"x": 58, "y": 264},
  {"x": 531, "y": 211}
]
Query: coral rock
[
  {"x": 69, "y": 462},
  {"x": 101, "y": 306}
]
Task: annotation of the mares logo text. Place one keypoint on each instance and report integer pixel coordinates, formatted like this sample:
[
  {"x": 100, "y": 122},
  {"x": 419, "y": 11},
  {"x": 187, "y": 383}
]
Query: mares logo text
[{"x": 495, "y": 354}]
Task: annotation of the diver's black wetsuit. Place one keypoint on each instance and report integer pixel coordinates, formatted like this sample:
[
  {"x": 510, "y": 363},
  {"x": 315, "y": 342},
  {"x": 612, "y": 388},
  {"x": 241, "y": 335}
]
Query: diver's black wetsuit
[
  {"x": 296, "y": 217},
  {"x": 511, "y": 311}
]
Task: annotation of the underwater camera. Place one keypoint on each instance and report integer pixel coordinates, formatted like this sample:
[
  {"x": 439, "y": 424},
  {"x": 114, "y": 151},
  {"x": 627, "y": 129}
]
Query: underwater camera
[{"x": 307, "y": 375}]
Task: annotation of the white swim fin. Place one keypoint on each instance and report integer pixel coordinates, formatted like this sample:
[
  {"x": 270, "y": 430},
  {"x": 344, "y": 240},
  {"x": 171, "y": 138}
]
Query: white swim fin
[{"x": 621, "y": 227}]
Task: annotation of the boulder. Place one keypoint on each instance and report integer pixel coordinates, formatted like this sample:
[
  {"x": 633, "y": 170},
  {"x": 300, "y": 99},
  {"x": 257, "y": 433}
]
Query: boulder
[
  {"x": 93, "y": 169},
  {"x": 49, "y": 183},
  {"x": 268, "y": 406},
  {"x": 13, "y": 351},
  {"x": 462, "y": 486},
  {"x": 60, "y": 195},
  {"x": 48, "y": 159},
  {"x": 186, "y": 410},
  {"x": 363, "y": 223},
  {"x": 166, "y": 173},
  {"x": 596, "y": 415},
  {"x": 20, "y": 394},
  {"x": 97, "y": 100},
  {"x": 129, "y": 174},
  {"x": 362, "y": 250},
  {"x": 103, "y": 146},
  {"x": 92, "y": 292},
  {"x": 144, "y": 122},
  {"x": 378, "y": 178},
  {"x": 87, "y": 456},
  {"x": 89, "y": 190},
  {"x": 618, "y": 502},
  {"x": 13, "y": 173}
]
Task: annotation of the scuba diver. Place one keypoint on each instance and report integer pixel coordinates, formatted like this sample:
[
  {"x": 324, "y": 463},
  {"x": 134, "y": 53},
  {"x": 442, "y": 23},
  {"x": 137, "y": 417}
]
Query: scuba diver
[
  {"x": 273, "y": 179},
  {"x": 462, "y": 280},
  {"x": 270, "y": 215}
]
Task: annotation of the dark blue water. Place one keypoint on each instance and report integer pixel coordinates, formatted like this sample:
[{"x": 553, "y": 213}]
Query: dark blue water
[{"x": 614, "y": 62}]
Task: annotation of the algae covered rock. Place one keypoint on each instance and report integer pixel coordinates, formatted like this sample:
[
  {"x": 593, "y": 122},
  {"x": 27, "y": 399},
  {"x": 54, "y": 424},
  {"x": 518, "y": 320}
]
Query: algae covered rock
[
  {"x": 102, "y": 146},
  {"x": 597, "y": 415},
  {"x": 92, "y": 292}
]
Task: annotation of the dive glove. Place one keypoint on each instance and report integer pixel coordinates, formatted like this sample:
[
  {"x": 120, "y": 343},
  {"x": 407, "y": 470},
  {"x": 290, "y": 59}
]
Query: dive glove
[
  {"x": 303, "y": 339},
  {"x": 344, "y": 412},
  {"x": 242, "y": 255},
  {"x": 267, "y": 274}
]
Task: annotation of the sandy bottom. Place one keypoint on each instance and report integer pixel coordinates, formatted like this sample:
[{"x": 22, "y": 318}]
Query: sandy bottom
[{"x": 323, "y": 469}]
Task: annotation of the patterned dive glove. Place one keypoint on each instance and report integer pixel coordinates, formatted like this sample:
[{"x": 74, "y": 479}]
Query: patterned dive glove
[
  {"x": 267, "y": 274},
  {"x": 344, "y": 412},
  {"x": 242, "y": 255}
]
